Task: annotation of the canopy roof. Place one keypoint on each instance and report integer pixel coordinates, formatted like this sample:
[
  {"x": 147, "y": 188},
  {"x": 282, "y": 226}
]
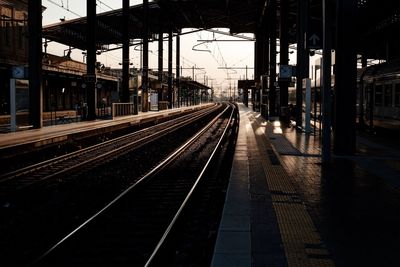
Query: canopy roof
[{"x": 377, "y": 25}]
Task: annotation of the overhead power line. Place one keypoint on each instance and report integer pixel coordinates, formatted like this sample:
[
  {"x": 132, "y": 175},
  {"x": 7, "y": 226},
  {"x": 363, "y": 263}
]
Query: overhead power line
[
  {"x": 65, "y": 8},
  {"x": 104, "y": 4}
]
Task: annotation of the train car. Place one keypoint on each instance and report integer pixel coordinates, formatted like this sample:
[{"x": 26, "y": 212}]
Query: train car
[{"x": 378, "y": 97}]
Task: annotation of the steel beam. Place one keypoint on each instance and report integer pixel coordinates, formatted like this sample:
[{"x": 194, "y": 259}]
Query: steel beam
[{"x": 35, "y": 63}]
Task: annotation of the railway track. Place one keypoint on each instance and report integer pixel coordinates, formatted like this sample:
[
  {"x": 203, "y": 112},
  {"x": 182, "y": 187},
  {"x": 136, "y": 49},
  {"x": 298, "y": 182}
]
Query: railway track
[
  {"x": 86, "y": 158},
  {"x": 130, "y": 229}
]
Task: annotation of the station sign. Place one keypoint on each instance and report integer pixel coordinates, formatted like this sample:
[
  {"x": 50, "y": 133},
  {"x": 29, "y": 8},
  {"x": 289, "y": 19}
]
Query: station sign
[
  {"x": 245, "y": 84},
  {"x": 19, "y": 72},
  {"x": 314, "y": 37},
  {"x": 286, "y": 72}
]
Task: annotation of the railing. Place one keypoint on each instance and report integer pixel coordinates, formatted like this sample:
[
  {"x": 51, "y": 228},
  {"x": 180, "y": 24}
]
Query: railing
[
  {"x": 162, "y": 105},
  {"x": 122, "y": 109}
]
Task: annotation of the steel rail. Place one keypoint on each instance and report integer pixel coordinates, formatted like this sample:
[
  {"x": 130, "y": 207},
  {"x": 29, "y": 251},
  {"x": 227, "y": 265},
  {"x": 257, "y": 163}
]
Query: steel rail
[
  {"x": 96, "y": 152},
  {"x": 183, "y": 205},
  {"x": 162, "y": 165}
]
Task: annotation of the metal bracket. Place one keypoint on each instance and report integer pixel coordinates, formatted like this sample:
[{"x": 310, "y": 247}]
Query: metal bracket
[{"x": 200, "y": 50}]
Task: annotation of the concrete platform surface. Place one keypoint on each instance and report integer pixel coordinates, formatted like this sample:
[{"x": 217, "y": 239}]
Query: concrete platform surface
[{"x": 60, "y": 132}]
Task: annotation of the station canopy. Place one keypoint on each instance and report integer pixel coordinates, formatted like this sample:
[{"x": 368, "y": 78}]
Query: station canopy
[
  {"x": 237, "y": 15},
  {"x": 378, "y": 22}
]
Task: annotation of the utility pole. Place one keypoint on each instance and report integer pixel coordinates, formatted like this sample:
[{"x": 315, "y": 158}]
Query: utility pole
[
  {"x": 193, "y": 68},
  {"x": 236, "y": 68}
]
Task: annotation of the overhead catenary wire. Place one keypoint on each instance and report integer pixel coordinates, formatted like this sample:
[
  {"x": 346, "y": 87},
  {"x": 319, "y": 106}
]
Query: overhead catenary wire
[
  {"x": 65, "y": 8},
  {"x": 104, "y": 4}
]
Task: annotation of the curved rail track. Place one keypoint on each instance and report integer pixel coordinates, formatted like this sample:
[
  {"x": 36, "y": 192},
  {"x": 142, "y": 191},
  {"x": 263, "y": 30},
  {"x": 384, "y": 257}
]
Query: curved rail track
[{"x": 130, "y": 229}]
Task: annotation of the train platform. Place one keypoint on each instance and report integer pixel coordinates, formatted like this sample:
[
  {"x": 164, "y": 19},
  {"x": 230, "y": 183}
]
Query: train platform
[
  {"x": 285, "y": 208},
  {"x": 61, "y": 133}
]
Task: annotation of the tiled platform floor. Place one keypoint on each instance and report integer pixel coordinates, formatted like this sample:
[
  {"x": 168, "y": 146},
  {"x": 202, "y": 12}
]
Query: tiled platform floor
[{"x": 303, "y": 213}]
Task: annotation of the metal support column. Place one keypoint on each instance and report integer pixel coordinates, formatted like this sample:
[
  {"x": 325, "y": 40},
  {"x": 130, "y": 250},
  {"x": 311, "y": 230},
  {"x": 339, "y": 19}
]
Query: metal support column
[
  {"x": 125, "y": 52},
  {"x": 160, "y": 56},
  {"x": 35, "y": 63},
  {"x": 178, "y": 55},
  {"x": 345, "y": 78},
  {"x": 264, "y": 66},
  {"x": 361, "y": 119},
  {"x": 326, "y": 81},
  {"x": 91, "y": 60},
  {"x": 245, "y": 91},
  {"x": 272, "y": 60},
  {"x": 160, "y": 63},
  {"x": 302, "y": 55},
  {"x": 284, "y": 51},
  {"x": 256, "y": 71},
  {"x": 170, "y": 78},
  {"x": 145, "y": 79}
]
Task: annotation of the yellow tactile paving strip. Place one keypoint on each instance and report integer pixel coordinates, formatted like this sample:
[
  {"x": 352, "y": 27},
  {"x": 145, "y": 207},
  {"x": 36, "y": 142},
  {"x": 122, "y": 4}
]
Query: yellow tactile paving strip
[{"x": 302, "y": 243}]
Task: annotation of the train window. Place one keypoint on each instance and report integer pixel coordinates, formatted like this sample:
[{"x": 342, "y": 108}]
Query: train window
[
  {"x": 388, "y": 95},
  {"x": 397, "y": 95},
  {"x": 378, "y": 95}
]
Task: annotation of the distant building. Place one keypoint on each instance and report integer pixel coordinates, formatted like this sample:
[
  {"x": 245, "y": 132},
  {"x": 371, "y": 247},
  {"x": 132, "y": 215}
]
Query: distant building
[
  {"x": 64, "y": 85},
  {"x": 63, "y": 78},
  {"x": 14, "y": 28},
  {"x": 13, "y": 44}
]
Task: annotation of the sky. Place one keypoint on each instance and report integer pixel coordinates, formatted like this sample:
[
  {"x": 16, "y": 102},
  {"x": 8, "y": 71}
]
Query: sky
[{"x": 235, "y": 54}]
